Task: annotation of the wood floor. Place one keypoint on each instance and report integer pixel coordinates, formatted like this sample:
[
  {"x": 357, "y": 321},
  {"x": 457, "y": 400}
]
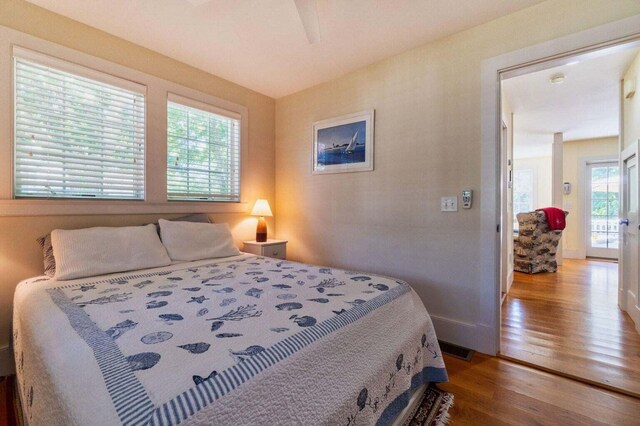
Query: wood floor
[
  {"x": 569, "y": 322},
  {"x": 494, "y": 391}
]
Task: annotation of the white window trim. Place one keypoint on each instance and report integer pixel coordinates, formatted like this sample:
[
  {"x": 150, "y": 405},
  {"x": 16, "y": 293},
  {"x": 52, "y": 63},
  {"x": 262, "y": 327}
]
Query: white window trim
[
  {"x": 192, "y": 103},
  {"x": 157, "y": 92},
  {"x": 583, "y": 198},
  {"x": 26, "y": 59},
  {"x": 77, "y": 69}
]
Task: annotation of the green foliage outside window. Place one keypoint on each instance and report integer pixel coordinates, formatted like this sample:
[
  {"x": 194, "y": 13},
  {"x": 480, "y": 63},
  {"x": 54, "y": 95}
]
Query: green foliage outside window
[{"x": 201, "y": 155}]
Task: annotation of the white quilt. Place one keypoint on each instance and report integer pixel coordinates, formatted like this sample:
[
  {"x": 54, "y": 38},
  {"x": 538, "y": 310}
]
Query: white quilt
[{"x": 240, "y": 340}]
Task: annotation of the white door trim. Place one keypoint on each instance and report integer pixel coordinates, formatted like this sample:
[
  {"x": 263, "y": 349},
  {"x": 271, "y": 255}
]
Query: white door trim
[
  {"x": 627, "y": 299},
  {"x": 551, "y": 53},
  {"x": 507, "y": 207},
  {"x": 585, "y": 198}
]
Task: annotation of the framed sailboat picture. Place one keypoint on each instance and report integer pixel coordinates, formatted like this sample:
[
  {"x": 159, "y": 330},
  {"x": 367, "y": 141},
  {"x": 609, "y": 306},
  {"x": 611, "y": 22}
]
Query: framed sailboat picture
[{"x": 343, "y": 144}]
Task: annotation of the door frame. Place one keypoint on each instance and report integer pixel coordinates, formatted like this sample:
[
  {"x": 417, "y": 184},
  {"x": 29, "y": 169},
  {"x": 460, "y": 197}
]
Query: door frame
[
  {"x": 586, "y": 198},
  {"x": 623, "y": 292},
  {"x": 507, "y": 170},
  {"x": 588, "y": 43}
]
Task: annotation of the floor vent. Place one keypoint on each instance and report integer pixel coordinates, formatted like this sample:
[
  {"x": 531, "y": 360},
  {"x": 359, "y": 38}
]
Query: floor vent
[{"x": 456, "y": 351}]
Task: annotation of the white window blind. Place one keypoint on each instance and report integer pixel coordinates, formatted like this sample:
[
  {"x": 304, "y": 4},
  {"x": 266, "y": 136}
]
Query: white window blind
[
  {"x": 78, "y": 133},
  {"x": 203, "y": 152}
]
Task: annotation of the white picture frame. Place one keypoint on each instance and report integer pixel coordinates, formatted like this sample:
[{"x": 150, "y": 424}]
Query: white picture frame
[{"x": 339, "y": 145}]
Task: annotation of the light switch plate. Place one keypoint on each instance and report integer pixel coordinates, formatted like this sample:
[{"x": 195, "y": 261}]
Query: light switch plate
[{"x": 449, "y": 204}]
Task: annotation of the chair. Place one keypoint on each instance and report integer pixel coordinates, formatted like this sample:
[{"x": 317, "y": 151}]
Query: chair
[{"x": 535, "y": 246}]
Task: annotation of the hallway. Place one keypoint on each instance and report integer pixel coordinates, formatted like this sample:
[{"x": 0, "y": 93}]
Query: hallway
[{"x": 569, "y": 322}]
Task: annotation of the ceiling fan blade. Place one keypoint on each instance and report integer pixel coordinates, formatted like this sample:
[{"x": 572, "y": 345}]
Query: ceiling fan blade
[
  {"x": 197, "y": 3},
  {"x": 308, "y": 12}
]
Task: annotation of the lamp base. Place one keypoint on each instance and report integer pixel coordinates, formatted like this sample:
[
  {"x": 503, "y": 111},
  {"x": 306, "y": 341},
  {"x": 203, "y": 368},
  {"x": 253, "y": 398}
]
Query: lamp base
[{"x": 261, "y": 230}]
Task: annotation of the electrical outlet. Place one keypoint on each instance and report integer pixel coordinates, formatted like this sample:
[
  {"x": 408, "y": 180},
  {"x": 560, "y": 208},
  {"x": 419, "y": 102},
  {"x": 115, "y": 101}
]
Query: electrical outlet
[{"x": 449, "y": 204}]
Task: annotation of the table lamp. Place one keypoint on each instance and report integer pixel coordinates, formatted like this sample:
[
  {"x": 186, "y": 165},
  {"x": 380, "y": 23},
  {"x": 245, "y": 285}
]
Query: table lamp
[{"x": 262, "y": 209}]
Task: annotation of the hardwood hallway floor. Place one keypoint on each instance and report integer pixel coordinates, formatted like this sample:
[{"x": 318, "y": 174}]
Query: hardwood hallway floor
[
  {"x": 494, "y": 392},
  {"x": 569, "y": 322}
]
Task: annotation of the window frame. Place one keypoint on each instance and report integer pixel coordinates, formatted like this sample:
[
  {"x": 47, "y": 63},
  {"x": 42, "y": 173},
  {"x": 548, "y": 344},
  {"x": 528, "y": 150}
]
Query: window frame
[
  {"x": 30, "y": 56},
  {"x": 212, "y": 109},
  {"x": 155, "y": 199}
]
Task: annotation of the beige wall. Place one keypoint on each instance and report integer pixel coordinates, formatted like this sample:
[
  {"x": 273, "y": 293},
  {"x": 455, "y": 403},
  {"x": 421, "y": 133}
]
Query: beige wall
[
  {"x": 631, "y": 107},
  {"x": 428, "y": 133},
  {"x": 575, "y": 154},
  {"x": 19, "y": 254},
  {"x": 541, "y": 167}
]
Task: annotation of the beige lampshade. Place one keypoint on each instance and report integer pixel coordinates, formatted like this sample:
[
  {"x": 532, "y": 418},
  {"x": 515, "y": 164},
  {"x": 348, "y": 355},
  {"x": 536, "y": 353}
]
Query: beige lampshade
[{"x": 261, "y": 208}]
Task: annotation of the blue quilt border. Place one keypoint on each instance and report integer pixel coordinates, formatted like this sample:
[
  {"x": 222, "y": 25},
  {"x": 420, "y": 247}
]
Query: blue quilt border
[
  {"x": 129, "y": 397},
  {"x": 427, "y": 375}
]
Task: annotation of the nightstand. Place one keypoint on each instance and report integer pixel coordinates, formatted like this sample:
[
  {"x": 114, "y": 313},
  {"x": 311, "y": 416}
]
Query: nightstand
[{"x": 270, "y": 248}]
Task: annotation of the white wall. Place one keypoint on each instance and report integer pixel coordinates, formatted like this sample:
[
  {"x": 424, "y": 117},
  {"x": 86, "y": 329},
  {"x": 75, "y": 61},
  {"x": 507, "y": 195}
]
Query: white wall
[
  {"x": 541, "y": 167},
  {"x": 428, "y": 133}
]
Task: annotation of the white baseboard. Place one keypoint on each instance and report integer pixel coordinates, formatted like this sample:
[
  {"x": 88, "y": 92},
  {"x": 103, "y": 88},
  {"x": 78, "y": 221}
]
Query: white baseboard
[
  {"x": 574, "y": 254},
  {"x": 633, "y": 309},
  {"x": 7, "y": 366},
  {"x": 472, "y": 336}
]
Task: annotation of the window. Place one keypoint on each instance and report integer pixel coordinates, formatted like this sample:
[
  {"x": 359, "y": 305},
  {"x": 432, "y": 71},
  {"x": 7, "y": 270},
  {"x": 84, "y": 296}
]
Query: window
[
  {"x": 523, "y": 194},
  {"x": 88, "y": 136},
  {"x": 78, "y": 133},
  {"x": 203, "y": 152},
  {"x": 604, "y": 199}
]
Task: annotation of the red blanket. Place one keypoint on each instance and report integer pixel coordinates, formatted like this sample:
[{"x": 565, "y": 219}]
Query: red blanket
[{"x": 555, "y": 217}]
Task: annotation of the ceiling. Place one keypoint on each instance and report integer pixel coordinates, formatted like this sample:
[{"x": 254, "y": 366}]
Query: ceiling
[
  {"x": 586, "y": 105},
  {"x": 262, "y": 45}
]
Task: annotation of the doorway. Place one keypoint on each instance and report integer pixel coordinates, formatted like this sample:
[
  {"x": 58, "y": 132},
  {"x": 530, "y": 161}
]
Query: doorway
[
  {"x": 603, "y": 209},
  {"x": 576, "y": 321}
]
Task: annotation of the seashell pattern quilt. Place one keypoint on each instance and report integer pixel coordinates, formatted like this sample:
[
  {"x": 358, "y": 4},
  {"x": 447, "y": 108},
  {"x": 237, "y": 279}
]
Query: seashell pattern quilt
[{"x": 188, "y": 344}]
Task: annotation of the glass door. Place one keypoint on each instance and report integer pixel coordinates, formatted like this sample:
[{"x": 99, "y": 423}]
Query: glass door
[{"x": 603, "y": 208}]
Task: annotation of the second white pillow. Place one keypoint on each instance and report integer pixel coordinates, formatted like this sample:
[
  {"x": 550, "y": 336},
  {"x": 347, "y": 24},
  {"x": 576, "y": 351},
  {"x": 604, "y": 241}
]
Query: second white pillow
[{"x": 188, "y": 241}]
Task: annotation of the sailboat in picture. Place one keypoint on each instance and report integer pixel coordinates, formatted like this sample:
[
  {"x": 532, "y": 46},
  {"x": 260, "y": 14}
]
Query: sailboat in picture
[{"x": 352, "y": 145}]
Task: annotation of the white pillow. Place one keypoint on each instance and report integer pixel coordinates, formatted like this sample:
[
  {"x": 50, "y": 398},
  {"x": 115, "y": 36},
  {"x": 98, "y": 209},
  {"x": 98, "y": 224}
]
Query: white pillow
[
  {"x": 195, "y": 241},
  {"x": 101, "y": 250}
]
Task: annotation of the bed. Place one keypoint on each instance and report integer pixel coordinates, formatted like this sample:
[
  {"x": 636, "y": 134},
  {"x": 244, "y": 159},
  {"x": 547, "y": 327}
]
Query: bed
[{"x": 237, "y": 340}]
